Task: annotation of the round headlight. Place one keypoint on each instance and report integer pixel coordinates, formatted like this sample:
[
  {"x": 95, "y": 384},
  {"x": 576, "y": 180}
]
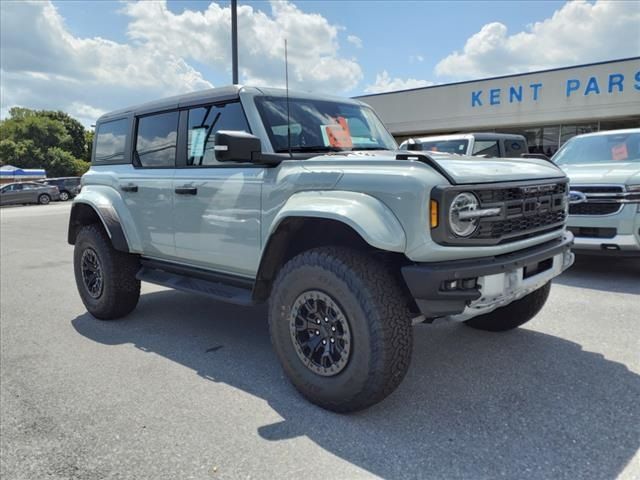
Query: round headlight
[{"x": 461, "y": 224}]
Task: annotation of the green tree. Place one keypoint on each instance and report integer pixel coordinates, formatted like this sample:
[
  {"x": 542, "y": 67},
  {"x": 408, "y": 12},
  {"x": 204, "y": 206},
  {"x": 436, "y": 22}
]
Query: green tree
[{"x": 44, "y": 139}]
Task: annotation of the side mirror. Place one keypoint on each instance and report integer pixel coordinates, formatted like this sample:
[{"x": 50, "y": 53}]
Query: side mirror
[{"x": 236, "y": 146}]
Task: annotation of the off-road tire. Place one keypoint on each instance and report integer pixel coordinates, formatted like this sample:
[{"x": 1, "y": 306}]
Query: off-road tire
[
  {"x": 378, "y": 317},
  {"x": 120, "y": 287},
  {"x": 64, "y": 196},
  {"x": 513, "y": 315},
  {"x": 44, "y": 199}
]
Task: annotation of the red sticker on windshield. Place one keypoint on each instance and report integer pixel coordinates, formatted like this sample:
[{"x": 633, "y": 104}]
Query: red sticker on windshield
[
  {"x": 338, "y": 135},
  {"x": 619, "y": 152}
]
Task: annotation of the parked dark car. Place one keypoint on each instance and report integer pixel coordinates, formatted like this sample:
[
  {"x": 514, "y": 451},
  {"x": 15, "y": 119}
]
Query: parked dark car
[
  {"x": 69, "y": 186},
  {"x": 28, "y": 192}
]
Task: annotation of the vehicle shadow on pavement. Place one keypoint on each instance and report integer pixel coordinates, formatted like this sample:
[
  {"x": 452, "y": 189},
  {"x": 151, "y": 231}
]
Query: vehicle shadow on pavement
[
  {"x": 474, "y": 405},
  {"x": 620, "y": 275}
]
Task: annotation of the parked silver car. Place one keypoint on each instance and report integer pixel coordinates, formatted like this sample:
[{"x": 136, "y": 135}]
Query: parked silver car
[
  {"x": 604, "y": 171},
  {"x": 28, "y": 192}
]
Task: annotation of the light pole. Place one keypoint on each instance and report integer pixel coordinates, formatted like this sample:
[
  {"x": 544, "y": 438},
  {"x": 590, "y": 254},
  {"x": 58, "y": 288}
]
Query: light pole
[{"x": 234, "y": 40}]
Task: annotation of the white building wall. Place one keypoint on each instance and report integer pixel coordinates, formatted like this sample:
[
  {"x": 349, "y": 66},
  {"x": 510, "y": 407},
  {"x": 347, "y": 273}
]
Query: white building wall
[{"x": 590, "y": 92}]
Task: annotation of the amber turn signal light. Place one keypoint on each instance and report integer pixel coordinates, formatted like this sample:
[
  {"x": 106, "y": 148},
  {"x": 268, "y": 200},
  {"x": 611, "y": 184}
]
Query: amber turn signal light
[{"x": 434, "y": 214}]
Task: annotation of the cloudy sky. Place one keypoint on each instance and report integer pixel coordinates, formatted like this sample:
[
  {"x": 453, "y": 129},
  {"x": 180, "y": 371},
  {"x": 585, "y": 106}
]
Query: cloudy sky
[{"x": 90, "y": 57}]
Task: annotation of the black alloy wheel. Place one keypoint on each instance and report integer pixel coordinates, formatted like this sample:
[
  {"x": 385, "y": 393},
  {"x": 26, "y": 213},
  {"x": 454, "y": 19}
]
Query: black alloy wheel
[
  {"x": 320, "y": 333},
  {"x": 92, "y": 276}
]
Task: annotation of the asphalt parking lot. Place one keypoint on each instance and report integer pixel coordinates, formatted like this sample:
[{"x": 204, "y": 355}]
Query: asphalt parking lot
[{"x": 189, "y": 388}]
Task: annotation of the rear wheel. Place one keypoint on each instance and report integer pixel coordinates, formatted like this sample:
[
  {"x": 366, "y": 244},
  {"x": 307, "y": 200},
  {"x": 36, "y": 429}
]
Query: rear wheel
[
  {"x": 513, "y": 315},
  {"x": 105, "y": 277},
  {"x": 341, "y": 328},
  {"x": 44, "y": 199}
]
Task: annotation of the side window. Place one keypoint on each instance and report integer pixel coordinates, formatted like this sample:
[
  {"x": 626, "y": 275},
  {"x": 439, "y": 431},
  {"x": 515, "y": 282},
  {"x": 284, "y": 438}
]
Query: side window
[
  {"x": 488, "y": 148},
  {"x": 156, "y": 140},
  {"x": 514, "y": 148},
  {"x": 110, "y": 141},
  {"x": 204, "y": 122}
]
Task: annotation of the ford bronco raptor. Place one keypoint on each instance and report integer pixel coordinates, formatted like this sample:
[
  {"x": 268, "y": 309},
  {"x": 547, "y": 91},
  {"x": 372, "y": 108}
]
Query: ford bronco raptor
[{"x": 250, "y": 195}]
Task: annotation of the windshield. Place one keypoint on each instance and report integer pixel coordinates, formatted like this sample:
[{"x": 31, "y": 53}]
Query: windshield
[
  {"x": 609, "y": 148},
  {"x": 319, "y": 125}
]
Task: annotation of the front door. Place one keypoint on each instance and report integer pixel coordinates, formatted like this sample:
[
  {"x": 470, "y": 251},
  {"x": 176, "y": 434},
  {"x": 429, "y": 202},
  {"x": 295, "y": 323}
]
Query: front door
[{"x": 217, "y": 205}]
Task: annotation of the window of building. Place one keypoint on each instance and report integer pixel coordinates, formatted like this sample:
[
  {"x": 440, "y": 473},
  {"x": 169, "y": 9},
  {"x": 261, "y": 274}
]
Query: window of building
[
  {"x": 487, "y": 148},
  {"x": 204, "y": 122},
  {"x": 110, "y": 141},
  {"x": 156, "y": 140}
]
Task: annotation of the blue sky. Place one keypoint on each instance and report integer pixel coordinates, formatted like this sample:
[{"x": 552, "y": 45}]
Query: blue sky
[
  {"x": 90, "y": 57},
  {"x": 394, "y": 34}
]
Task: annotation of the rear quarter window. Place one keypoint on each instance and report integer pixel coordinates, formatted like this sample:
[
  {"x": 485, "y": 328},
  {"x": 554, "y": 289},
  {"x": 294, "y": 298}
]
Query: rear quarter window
[
  {"x": 111, "y": 139},
  {"x": 514, "y": 148}
]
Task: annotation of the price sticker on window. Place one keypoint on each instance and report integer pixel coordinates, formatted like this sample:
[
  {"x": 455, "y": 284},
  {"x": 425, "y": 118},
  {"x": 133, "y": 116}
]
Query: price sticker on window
[
  {"x": 197, "y": 137},
  {"x": 337, "y": 134},
  {"x": 619, "y": 152}
]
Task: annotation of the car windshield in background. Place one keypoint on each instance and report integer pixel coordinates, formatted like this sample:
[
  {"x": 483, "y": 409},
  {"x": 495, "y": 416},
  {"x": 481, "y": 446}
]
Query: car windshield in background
[
  {"x": 446, "y": 146},
  {"x": 322, "y": 126},
  {"x": 619, "y": 147}
]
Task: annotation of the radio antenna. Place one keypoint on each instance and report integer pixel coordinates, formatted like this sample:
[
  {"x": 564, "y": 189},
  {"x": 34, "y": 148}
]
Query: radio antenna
[{"x": 286, "y": 79}]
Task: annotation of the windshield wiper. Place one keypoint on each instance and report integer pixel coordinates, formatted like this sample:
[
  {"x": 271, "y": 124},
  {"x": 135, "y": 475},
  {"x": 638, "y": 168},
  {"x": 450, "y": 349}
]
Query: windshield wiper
[{"x": 315, "y": 148}]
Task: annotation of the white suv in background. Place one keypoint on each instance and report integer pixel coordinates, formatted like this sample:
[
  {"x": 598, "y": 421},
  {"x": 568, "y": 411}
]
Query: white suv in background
[{"x": 476, "y": 144}]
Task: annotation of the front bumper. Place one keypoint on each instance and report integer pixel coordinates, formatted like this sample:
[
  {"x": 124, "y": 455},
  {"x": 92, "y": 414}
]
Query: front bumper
[
  {"x": 616, "y": 234},
  {"x": 484, "y": 284}
]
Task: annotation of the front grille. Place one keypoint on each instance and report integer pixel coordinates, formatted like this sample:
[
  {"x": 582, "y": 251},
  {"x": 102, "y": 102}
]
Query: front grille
[
  {"x": 520, "y": 225},
  {"x": 518, "y": 193},
  {"x": 526, "y": 209},
  {"x": 594, "y": 208},
  {"x": 601, "y": 199}
]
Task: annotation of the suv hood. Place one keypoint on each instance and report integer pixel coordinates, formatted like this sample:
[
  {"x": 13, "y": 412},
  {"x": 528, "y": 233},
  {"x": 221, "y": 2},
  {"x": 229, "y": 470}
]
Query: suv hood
[
  {"x": 462, "y": 169},
  {"x": 627, "y": 173}
]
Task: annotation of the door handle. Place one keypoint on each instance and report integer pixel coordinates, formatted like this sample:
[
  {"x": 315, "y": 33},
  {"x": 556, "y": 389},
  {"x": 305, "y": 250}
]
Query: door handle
[
  {"x": 129, "y": 188},
  {"x": 186, "y": 190}
]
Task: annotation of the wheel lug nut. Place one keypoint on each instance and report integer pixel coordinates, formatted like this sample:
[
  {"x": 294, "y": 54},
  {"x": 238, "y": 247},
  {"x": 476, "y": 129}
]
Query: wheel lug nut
[
  {"x": 326, "y": 319},
  {"x": 317, "y": 332},
  {"x": 318, "y": 322},
  {"x": 333, "y": 329},
  {"x": 324, "y": 342},
  {"x": 333, "y": 340}
]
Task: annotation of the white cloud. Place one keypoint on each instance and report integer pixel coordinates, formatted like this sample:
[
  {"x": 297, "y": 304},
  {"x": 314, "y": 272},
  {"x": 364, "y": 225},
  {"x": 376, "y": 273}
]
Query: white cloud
[
  {"x": 579, "y": 32},
  {"x": 43, "y": 65},
  {"x": 313, "y": 48},
  {"x": 384, "y": 83},
  {"x": 416, "y": 59},
  {"x": 355, "y": 41}
]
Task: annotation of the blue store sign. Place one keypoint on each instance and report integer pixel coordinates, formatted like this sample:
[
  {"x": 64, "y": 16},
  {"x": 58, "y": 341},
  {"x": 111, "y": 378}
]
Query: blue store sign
[{"x": 614, "y": 83}]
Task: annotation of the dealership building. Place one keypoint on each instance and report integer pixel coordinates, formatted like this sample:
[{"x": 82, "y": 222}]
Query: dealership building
[{"x": 548, "y": 107}]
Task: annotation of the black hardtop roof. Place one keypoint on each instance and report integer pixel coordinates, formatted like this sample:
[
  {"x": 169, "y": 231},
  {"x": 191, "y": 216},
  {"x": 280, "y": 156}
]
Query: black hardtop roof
[{"x": 212, "y": 95}]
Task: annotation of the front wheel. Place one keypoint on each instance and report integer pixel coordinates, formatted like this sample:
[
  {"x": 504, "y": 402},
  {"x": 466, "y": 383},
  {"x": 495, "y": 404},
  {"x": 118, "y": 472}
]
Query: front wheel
[
  {"x": 341, "y": 328},
  {"x": 513, "y": 315},
  {"x": 64, "y": 196},
  {"x": 44, "y": 199},
  {"x": 105, "y": 277}
]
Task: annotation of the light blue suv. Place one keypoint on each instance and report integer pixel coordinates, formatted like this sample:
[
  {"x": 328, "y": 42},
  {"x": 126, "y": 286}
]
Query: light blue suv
[
  {"x": 251, "y": 195},
  {"x": 604, "y": 171}
]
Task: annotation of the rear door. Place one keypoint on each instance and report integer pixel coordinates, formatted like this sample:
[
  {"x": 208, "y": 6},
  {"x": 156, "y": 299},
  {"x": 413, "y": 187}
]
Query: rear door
[
  {"x": 147, "y": 188},
  {"x": 216, "y": 205}
]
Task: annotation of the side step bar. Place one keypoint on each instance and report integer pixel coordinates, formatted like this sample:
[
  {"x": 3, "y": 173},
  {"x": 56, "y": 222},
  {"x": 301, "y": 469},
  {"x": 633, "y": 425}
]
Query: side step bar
[{"x": 218, "y": 290}]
